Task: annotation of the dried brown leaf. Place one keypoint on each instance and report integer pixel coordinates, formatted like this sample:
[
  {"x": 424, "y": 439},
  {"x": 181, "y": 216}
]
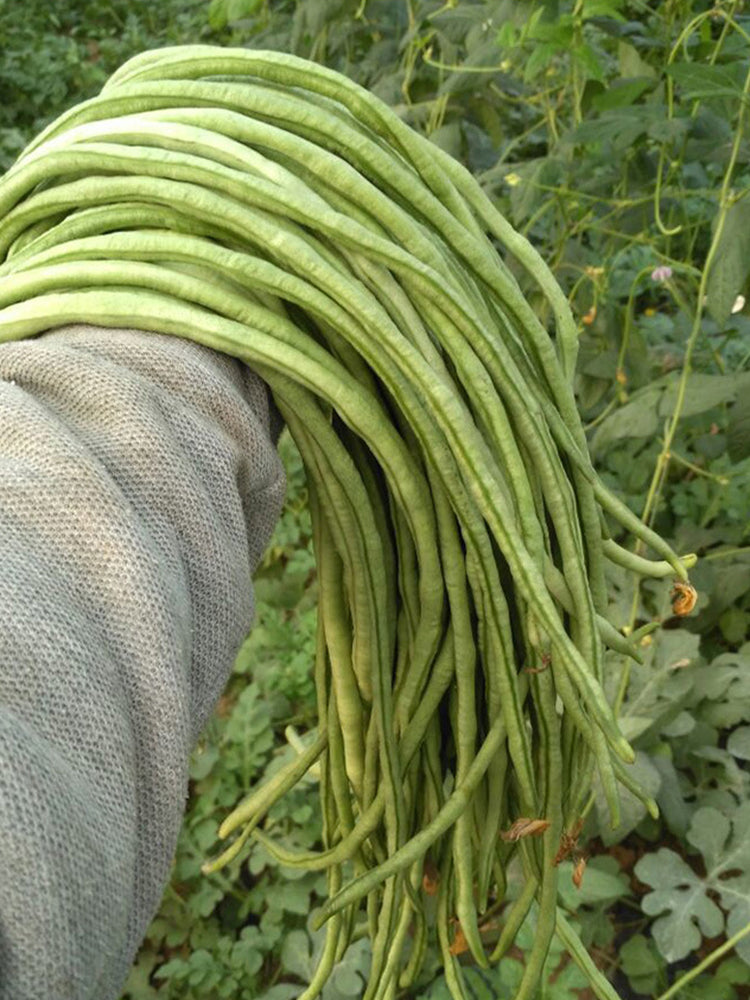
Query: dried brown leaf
[{"x": 525, "y": 827}]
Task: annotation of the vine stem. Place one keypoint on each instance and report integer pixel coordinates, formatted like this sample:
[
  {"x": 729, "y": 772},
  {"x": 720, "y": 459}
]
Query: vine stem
[
  {"x": 724, "y": 205},
  {"x": 629, "y": 310},
  {"x": 665, "y": 455},
  {"x": 708, "y": 960}
]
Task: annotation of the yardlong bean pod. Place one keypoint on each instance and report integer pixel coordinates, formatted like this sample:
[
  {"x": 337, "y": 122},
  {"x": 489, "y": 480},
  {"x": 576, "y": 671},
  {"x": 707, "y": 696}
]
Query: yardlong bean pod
[{"x": 271, "y": 209}]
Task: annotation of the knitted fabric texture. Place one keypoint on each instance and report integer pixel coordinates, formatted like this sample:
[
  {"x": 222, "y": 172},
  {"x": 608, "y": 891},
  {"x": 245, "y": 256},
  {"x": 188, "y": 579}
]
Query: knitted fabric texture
[{"x": 139, "y": 485}]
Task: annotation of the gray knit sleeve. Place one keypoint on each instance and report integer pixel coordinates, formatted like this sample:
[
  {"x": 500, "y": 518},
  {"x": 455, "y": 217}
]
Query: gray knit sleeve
[{"x": 139, "y": 485}]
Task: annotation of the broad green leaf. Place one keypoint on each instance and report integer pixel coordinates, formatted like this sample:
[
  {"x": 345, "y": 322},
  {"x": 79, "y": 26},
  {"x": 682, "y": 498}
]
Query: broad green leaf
[
  {"x": 138, "y": 986},
  {"x": 528, "y": 194},
  {"x": 722, "y": 781},
  {"x": 217, "y": 14},
  {"x": 631, "y": 63},
  {"x": 566, "y": 985},
  {"x": 679, "y": 901},
  {"x": 559, "y": 30},
  {"x": 507, "y": 35},
  {"x": 632, "y": 726},
  {"x": 202, "y": 761},
  {"x": 707, "y": 988},
  {"x": 296, "y": 957},
  {"x": 738, "y": 431},
  {"x": 632, "y": 810},
  {"x": 728, "y": 864},
  {"x": 590, "y": 391},
  {"x": 207, "y": 934},
  {"x": 641, "y": 963},
  {"x": 638, "y": 418},
  {"x": 643, "y": 414},
  {"x": 734, "y": 624},
  {"x": 205, "y": 899},
  {"x": 587, "y": 60},
  {"x": 700, "y": 80},
  {"x": 621, "y": 94},
  {"x": 347, "y": 981},
  {"x": 462, "y": 17},
  {"x": 621, "y": 126},
  {"x": 224, "y": 12},
  {"x": 542, "y": 55},
  {"x": 733, "y": 970},
  {"x": 603, "y": 8},
  {"x": 669, "y": 129},
  {"x": 293, "y": 897},
  {"x": 177, "y": 969},
  {"x": 602, "y": 364},
  {"x": 351, "y": 974},
  {"x": 731, "y": 263},
  {"x": 237, "y": 10},
  {"x": 704, "y": 392},
  {"x": 282, "y": 991},
  {"x": 719, "y": 982},
  {"x": 662, "y": 686},
  {"x": 681, "y": 725},
  {"x": 708, "y": 832},
  {"x": 247, "y": 956},
  {"x": 722, "y": 689},
  {"x": 602, "y": 882},
  {"x": 726, "y": 582},
  {"x": 683, "y": 901},
  {"x": 710, "y": 144},
  {"x": 301, "y": 953},
  {"x": 738, "y": 743},
  {"x": 449, "y": 138}
]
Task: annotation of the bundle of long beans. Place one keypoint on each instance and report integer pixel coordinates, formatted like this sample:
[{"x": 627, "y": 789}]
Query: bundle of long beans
[{"x": 270, "y": 208}]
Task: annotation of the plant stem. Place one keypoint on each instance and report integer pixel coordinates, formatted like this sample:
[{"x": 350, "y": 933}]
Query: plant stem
[
  {"x": 724, "y": 204},
  {"x": 708, "y": 960},
  {"x": 662, "y": 462}
]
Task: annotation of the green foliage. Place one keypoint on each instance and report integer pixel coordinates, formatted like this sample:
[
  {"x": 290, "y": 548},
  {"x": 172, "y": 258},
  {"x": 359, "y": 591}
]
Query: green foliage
[
  {"x": 688, "y": 902},
  {"x": 642, "y": 965},
  {"x": 613, "y": 134},
  {"x": 55, "y": 55},
  {"x": 300, "y": 956},
  {"x": 732, "y": 262},
  {"x": 562, "y": 979},
  {"x": 609, "y": 144}
]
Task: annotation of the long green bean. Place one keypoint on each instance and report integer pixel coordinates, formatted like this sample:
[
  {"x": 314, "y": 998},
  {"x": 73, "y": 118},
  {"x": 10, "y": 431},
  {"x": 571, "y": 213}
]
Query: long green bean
[{"x": 270, "y": 209}]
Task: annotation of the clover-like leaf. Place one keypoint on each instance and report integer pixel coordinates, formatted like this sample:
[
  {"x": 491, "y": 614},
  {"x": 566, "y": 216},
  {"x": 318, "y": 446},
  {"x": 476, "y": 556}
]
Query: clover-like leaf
[
  {"x": 728, "y": 864},
  {"x": 641, "y": 964},
  {"x": 296, "y": 955}
]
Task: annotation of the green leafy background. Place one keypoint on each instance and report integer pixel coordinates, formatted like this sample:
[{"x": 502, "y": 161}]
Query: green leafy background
[{"x": 613, "y": 134}]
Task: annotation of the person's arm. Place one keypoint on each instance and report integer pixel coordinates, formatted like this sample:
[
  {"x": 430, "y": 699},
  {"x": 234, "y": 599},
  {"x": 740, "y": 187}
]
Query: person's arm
[{"x": 139, "y": 485}]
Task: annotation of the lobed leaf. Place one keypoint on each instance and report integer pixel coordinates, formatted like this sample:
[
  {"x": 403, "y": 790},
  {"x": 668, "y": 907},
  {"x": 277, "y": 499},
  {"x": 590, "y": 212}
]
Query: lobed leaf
[{"x": 683, "y": 901}]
